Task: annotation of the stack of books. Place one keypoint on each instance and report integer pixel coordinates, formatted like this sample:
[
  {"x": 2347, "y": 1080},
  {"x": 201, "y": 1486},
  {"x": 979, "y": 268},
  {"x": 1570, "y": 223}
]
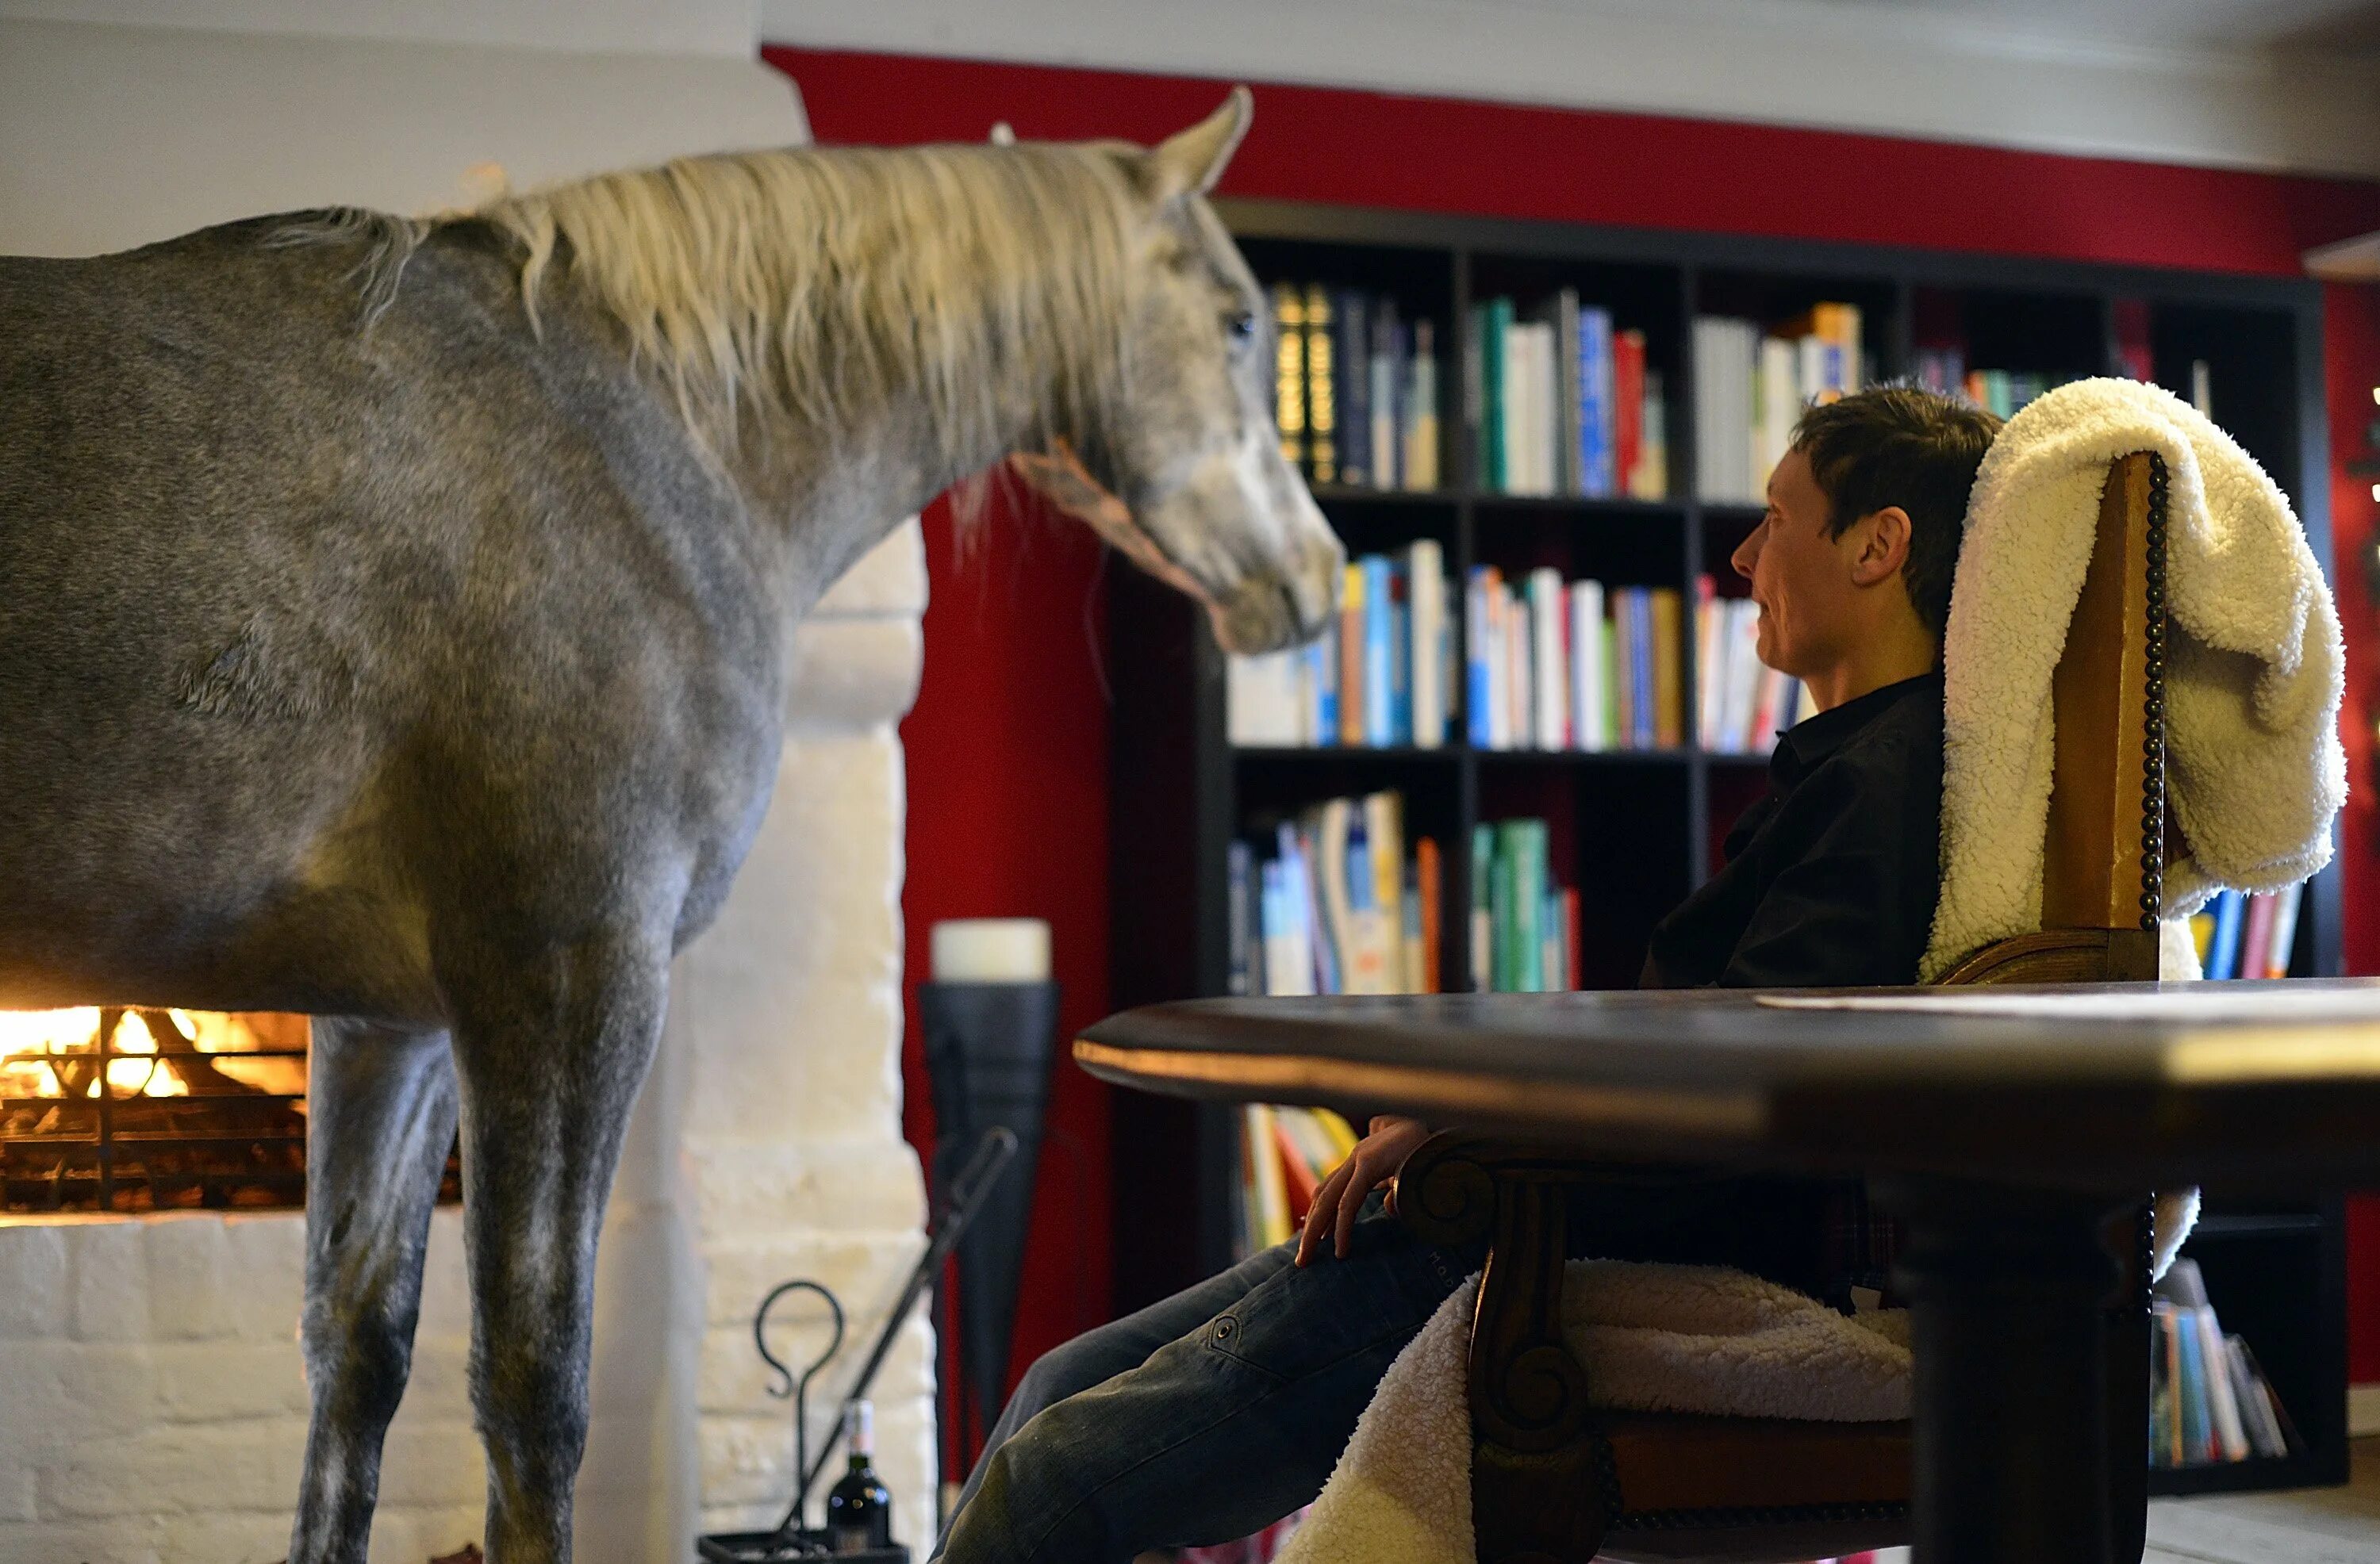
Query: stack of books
[
  {"x": 2209, "y": 1401},
  {"x": 1742, "y": 702},
  {"x": 1751, "y": 386},
  {"x": 2247, "y": 936},
  {"x": 1525, "y": 928},
  {"x": 1999, "y": 391},
  {"x": 1340, "y": 908},
  {"x": 1354, "y": 388},
  {"x": 1285, "y": 1153},
  {"x": 1561, "y": 403},
  {"x": 1386, "y": 679},
  {"x": 1555, "y": 664}
]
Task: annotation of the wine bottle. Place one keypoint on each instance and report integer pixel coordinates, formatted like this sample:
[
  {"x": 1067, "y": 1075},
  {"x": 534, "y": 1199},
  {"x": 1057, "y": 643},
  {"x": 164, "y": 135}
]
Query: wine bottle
[{"x": 859, "y": 1510}]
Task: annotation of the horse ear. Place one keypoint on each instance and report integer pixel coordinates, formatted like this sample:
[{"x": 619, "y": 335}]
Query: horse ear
[{"x": 1189, "y": 163}]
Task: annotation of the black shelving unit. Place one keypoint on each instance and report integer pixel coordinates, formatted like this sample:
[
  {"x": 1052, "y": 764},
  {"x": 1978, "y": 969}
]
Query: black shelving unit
[{"x": 1181, "y": 793}]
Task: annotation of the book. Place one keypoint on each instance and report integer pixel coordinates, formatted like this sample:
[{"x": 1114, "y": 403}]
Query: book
[
  {"x": 1383, "y": 448},
  {"x": 1353, "y": 662},
  {"x": 1548, "y": 667},
  {"x": 1628, "y": 410},
  {"x": 1649, "y": 479},
  {"x": 1321, "y": 393},
  {"x": 1298, "y": 1178},
  {"x": 2255, "y": 936},
  {"x": 2285, "y": 930},
  {"x": 1426, "y": 592},
  {"x": 1288, "y": 371},
  {"x": 1427, "y": 889},
  {"x": 2228, "y": 1438},
  {"x": 1377, "y": 688},
  {"x": 1483, "y": 856},
  {"x": 1497, "y": 380},
  {"x": 1240, "y": 918},
  {"x": 1589, "y": 680},
  {"x": 1384, "y": 833},
  {"x": 1666, "y": 628},
  {"x": 2223, "y": 948},
  {"x": 1597, "y": 436},
  {"x": 1570, "y": 374},
  {"x": 1351, "y": 374},
  {"x": 1478, "y": 676},
  {"x": 1271, "y": 1194},
  {"x": 1419, "y": 412}
]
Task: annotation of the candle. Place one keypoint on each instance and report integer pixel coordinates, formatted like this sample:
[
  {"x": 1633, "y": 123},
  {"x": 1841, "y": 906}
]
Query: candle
[{"x": 992, "y": 949}]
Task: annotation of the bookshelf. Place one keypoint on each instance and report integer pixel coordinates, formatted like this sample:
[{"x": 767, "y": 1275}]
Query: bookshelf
[{"x": 1181, "y": 793}]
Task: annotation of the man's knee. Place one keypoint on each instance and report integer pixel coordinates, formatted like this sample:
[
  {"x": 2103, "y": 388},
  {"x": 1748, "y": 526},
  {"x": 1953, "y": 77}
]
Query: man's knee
[{"x": 1068, "y": 1369}]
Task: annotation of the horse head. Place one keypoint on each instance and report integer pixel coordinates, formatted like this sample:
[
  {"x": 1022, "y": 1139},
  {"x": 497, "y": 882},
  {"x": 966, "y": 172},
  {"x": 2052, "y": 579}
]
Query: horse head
[{"x": 1186, "y": 476}]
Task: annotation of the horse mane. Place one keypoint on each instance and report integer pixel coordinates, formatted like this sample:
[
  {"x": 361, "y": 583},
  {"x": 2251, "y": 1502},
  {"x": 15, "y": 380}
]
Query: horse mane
[{"x": 810, "y": 286}]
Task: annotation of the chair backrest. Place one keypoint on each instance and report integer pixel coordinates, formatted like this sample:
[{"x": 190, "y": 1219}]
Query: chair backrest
[{"x": 2103, "y": 863}]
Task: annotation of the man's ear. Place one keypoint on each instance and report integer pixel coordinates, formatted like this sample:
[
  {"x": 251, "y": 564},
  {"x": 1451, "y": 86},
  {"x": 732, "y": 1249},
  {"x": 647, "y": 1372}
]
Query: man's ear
[
  {"x": 1883, "y": 547},
  {"x": 1191, "y": 161}
]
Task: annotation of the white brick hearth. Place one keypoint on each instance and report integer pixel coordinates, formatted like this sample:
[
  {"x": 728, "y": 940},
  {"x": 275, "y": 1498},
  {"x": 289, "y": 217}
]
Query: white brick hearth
[{"x": 153, "y": 1404}]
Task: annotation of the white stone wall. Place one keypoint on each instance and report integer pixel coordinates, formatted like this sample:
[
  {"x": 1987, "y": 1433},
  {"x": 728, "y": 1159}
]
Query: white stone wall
[{"x": 153, "y": 1404}]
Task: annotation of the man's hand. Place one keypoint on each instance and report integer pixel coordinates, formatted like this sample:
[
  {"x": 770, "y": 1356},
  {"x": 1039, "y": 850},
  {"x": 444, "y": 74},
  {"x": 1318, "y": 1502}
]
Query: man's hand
[{"x": 1377, "y": 1159}]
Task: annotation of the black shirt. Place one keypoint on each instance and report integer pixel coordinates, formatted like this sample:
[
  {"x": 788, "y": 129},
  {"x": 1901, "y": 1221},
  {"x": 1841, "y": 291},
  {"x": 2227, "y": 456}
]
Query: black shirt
[{"x": 1831, "y": 877}]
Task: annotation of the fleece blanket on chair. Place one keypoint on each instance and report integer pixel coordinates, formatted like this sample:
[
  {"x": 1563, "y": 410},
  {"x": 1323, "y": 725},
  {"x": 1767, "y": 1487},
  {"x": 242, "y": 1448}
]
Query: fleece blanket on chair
[
  {"x": 2254, "y": 666},
  {"x": 1652, "y": 1338},
  {"x": 2255, "y": 774}
]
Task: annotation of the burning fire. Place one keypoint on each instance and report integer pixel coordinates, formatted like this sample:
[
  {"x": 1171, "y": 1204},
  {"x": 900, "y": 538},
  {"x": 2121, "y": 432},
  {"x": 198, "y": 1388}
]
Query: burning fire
[{"x": 55, "y": 1053}]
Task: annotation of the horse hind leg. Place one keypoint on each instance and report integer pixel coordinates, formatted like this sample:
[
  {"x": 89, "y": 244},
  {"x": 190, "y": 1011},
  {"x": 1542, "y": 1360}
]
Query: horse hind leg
[
  {"x": 552, "y": 1053},
  {"x": 380, "y": 1112}
]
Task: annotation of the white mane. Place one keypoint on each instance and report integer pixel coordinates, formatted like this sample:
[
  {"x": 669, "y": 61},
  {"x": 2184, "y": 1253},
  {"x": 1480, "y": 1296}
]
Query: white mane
[{"x": 809, "y": 286}]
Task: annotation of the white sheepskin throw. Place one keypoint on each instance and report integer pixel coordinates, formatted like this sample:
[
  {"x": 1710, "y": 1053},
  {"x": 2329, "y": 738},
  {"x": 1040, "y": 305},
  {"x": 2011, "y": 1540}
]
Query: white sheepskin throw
[
  {"x": 2253, "y": 662},
  {"x": 1652, "y": 1339}
]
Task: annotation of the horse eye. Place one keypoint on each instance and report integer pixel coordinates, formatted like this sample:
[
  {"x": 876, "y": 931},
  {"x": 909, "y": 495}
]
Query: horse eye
[{"x": 1242, "y": 325}]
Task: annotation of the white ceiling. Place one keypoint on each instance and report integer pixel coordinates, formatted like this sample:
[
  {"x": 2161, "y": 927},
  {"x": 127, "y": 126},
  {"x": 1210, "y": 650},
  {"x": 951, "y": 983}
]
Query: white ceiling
[{"x": 2274, "y": 84}]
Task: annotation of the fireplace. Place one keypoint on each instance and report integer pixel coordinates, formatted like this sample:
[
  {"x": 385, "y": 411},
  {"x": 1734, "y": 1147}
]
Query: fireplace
[{"x": 138, "y": 1110}]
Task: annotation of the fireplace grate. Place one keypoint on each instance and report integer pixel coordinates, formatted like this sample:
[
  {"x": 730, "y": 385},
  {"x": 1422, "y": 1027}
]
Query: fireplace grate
[{"x": 231, "y": 1135}]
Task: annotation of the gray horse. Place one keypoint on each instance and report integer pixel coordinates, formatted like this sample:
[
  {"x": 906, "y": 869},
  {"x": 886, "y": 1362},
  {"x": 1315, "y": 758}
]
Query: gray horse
[{"x": 394, "y": 626}]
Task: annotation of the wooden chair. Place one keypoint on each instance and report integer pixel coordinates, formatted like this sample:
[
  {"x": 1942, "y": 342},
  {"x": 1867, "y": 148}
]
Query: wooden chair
[{"x": 1553, "y": 1481}]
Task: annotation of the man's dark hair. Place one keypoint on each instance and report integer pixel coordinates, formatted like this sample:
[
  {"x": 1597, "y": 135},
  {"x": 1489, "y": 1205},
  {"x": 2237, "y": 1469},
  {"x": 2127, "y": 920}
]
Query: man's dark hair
[{"x": 1901, "y": 445}]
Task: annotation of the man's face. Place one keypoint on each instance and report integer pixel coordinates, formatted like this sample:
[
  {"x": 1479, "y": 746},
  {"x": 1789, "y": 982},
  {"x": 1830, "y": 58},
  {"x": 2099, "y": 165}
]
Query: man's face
[{"x": 1801, "y": 577}]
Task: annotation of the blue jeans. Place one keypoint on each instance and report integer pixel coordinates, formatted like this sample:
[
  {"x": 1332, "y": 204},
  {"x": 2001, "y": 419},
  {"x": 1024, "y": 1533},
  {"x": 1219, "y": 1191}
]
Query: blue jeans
[{"x": 1202, "y": 1418}]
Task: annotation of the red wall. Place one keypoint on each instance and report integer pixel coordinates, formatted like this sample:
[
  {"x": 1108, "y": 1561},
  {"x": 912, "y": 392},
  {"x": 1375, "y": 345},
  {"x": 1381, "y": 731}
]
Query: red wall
[
  {"x": 1007, "y": 745},
  {"x": 2352, "y": 353}
]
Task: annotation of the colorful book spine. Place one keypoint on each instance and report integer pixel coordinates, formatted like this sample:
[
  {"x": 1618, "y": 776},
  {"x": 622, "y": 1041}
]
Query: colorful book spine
[
  {"x": 1385, "y": 373},
  {"x": 1321, "y": 388},
  {"x": 1496, "y": 377},
  {"x": 1483, "y": 926},
  {"x": 1667, "y": 620},
  {"x": 1352, "y": 374},
  {"x": 1628, "y": 410},
  {"x": 1378, "y": 689},
  {"x": 1598, "y": 439},
  {"x": 1429, "y": 886},
  {"x": 1289, "y": 372},
  {"x": 2255, "y": 936},
  {"x": 2223, "y": 949},
  {"x": 2285, "y": 930},
  {"x": 1420, "y": 411}
]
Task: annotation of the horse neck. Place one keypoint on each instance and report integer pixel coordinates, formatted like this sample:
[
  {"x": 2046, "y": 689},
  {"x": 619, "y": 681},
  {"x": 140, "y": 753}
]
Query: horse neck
[{"x": 843, "y": 485}]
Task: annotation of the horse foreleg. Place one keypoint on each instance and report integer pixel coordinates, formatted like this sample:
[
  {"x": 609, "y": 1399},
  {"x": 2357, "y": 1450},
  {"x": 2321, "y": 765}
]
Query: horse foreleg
[
  {"x": 380, "y": 1120},
  {"x": 551, "y": 1057}
]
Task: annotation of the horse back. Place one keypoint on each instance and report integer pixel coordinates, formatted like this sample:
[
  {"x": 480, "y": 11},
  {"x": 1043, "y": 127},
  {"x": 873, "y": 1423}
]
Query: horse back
[{"x": 312, "y": 624}]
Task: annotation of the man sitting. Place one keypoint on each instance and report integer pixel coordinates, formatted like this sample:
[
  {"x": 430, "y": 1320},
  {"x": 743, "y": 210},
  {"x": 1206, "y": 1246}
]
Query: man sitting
[{"x": 1214, "y": 1412}]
